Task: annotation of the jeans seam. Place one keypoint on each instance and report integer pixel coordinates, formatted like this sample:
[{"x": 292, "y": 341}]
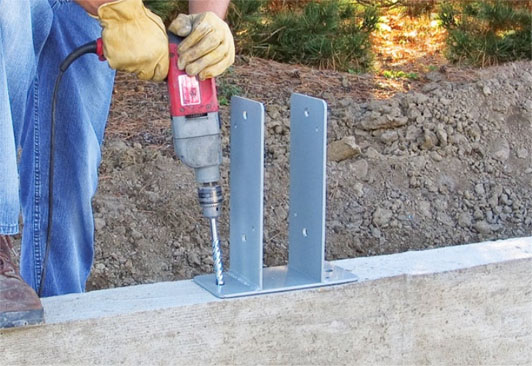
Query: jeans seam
[
  {"x": 37, "y": 198},
  {"x": 59, "y": 2}
]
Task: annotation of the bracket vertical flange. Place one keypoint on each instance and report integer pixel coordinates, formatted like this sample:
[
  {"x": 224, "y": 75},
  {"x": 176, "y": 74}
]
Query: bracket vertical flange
[{"x": 306, "y": 251}]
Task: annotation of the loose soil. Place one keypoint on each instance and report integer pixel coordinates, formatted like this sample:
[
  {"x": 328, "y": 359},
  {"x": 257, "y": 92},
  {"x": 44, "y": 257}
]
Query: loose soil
[{"x": 442, "y": 160}]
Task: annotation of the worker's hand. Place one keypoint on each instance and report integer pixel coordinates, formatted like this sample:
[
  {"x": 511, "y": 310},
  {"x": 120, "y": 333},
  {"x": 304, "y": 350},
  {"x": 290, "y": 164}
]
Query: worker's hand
[
  {"x": 208, "y": 49},
  {"x": 134, "y": 39}
]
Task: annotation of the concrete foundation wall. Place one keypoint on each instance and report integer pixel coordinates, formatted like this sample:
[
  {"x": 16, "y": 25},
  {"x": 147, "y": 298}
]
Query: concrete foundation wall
[{"x": 459, "y": 305}]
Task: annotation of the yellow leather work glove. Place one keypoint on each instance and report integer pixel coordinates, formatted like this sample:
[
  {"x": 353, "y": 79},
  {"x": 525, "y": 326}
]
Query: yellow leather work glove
[
  {"x": 208, "y": 49},
  {"x": 134, "y": 39}
]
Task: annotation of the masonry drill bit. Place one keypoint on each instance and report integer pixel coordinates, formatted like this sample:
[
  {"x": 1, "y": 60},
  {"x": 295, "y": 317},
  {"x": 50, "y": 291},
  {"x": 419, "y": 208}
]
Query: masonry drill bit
[{"x": 217, "y": 254}]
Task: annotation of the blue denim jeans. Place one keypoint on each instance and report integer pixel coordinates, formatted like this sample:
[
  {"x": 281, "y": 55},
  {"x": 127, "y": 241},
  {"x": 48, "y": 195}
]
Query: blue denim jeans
[{"x": 35, "y": 36}]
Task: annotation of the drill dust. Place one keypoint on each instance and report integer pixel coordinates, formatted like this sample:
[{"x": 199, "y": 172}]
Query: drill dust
[{"x": 446, "y": 163}]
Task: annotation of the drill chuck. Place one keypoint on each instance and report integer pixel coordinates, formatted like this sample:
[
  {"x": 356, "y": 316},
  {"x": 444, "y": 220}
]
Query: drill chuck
[{"x": 210, "y": 199}]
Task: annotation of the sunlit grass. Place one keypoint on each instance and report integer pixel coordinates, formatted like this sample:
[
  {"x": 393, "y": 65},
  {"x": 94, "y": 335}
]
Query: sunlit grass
[{"x": 408, "y": 44}]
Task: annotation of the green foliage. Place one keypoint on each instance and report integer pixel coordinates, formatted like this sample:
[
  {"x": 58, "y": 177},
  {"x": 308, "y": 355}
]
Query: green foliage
[
  {"x": 161, "y": 8},
  {"x": 487, "y": 32},
  {"x": 330, "y": 34},
  {"x": 243, "y": 13},
  {"x": 392, "y": 74},
  {"x": 226, "y": 89},
  {"x": 167, "y": 9}
]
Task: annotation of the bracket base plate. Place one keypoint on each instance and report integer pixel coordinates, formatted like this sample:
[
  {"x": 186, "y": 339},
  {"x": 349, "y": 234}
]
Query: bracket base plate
[{"x": 275, "y": 279}]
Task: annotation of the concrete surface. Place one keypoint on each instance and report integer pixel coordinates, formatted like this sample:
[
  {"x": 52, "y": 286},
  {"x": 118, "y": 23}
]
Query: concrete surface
[{"x": 468, "y": 304}]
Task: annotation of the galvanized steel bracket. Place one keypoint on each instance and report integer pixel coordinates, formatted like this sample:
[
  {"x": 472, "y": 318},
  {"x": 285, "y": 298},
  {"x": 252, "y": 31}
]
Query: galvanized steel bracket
[{"x": 306, "y": 249}]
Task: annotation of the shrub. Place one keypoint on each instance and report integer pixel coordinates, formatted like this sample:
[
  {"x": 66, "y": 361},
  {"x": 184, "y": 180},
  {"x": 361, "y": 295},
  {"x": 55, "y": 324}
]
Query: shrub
[
  {"x": 330, "y": 34},
  {"x": 487, "y": 32},
  {"x": 167, "y": 9},
  {"x": 243, "y": 14},
  {"x": 411, "y": 8}
]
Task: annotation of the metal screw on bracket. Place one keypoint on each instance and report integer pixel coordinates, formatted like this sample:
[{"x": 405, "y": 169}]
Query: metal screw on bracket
[{"x": 306, "y": 254}]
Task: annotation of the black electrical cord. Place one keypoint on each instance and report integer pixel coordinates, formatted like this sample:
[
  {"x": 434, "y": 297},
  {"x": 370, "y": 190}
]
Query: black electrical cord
[{"x": 90, "y": 47}]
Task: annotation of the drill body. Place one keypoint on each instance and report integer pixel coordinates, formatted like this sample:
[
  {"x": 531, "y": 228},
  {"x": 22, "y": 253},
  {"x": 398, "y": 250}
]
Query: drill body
[{"x": 197, "y": 144}]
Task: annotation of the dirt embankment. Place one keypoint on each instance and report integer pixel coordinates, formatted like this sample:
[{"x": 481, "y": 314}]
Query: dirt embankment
[{"x": 449, "y": 163}]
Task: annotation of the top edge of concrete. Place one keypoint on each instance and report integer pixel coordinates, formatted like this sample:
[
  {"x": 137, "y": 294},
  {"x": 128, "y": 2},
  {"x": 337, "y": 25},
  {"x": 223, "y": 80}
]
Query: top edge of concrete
[{"x": 162, "y": 295}]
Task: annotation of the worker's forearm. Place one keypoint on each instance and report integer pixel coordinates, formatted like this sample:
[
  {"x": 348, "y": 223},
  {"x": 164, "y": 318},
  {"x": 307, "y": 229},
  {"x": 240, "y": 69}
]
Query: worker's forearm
[
  {"x": 91, "y": 6},
  {"x": 218, "y": 7}
]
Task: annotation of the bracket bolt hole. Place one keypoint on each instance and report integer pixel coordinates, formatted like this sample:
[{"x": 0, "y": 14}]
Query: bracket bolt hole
[
  {"x": 244, "y": 238},
  {"x": 245, "y": 115},
  {"x": 304, "y": 232},
  {"x": 306, "y": 112}
]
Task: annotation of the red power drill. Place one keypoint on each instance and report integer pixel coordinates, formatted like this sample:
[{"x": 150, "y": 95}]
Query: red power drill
[
  {"x": 196, "y": 134},
  {"x": 197, "y": 141}
]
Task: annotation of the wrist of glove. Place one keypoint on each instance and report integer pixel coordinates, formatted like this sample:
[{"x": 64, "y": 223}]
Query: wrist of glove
[
  {"x": 134, "y": 39},
  {"x": 208, "y": 48}
]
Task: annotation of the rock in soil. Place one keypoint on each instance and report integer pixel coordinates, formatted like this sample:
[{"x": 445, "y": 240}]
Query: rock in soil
[{"x": 343, "y": 149}]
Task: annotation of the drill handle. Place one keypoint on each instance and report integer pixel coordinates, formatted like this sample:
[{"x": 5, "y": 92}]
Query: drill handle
[
  {"x": 188, "y": 94},
  {"x": 174, "y": 38},
  {"x": 99, "y": 49}
]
